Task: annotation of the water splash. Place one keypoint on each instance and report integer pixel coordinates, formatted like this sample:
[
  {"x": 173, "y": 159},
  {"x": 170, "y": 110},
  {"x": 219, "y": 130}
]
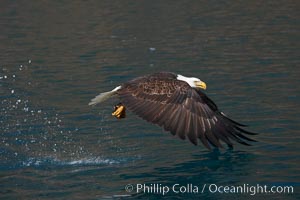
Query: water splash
[
  {"x": 50, "y": 161},
  {"x": 30, "y": 130}
]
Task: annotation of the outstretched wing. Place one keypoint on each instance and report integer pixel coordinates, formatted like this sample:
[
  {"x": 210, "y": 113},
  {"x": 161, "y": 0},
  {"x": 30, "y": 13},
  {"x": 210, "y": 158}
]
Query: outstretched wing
[{"x": 182, "y": 110}]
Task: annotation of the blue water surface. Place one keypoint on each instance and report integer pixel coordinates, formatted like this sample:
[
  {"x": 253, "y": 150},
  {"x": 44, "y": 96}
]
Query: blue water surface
[{"x": 57, "y": 55}]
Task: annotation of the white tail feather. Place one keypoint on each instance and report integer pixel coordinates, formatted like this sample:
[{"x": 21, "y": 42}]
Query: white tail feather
[{"x": 103, "y": 96}]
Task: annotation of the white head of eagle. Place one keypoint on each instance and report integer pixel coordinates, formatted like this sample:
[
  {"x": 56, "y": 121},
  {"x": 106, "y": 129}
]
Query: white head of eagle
[{"x": 192, "y": 81}]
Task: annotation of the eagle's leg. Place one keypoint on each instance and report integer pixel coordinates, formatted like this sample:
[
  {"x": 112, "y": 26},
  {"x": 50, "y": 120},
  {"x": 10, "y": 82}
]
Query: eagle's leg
[{"x": 119, "y": 111}]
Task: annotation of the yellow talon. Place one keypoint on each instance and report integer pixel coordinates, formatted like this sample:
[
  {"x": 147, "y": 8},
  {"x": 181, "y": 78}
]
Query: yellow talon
[{"x": 119, "y": 111}]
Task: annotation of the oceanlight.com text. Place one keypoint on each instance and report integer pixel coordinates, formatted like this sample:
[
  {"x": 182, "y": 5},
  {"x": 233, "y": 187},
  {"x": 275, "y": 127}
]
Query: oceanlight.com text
[{"x": 161, "y": 189}]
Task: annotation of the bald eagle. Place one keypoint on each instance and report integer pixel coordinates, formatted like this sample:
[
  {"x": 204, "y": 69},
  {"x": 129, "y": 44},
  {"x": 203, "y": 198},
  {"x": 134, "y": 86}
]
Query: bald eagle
[{"x": 177, "y": 104}]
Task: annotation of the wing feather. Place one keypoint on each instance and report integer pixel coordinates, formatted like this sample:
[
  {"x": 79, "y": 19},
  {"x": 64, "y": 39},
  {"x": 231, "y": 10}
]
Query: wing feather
[
  {"x": 192, "y": 135},
  {"x": 180, "y": 132}
]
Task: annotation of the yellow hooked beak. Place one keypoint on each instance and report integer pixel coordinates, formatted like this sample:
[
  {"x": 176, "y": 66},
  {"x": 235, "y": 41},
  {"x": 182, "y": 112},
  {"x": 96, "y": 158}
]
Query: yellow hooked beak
[{"x": 200, "y": 84}]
